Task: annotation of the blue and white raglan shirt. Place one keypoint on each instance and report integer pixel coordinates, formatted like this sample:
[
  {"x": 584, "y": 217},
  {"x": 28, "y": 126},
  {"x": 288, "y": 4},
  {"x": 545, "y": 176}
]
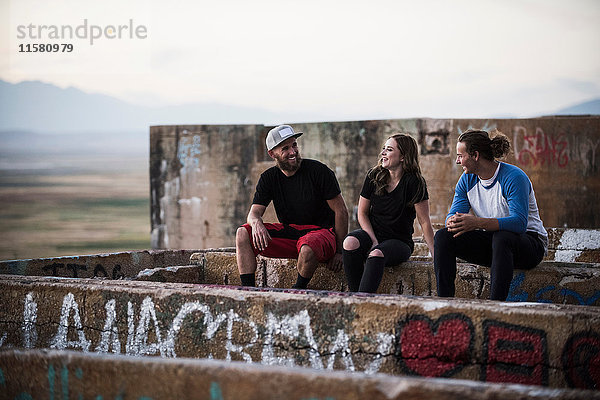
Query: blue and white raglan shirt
[{"x": 507, "y": 196}]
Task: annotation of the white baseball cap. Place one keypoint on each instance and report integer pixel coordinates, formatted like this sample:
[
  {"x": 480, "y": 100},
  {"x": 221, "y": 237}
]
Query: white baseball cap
[{"x": 279, "y": 134}]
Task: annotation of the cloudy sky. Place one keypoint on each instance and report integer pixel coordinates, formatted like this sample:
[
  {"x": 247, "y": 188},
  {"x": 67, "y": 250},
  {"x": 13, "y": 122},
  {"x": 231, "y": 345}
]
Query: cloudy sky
[{"x": 336, "y": 59}]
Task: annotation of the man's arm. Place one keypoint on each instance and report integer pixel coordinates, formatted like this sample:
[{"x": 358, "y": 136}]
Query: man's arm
[
  {"x": 460, "y": 223},
  {"x": 338, "y": 205},
  {"x": 260, "y": 235}
]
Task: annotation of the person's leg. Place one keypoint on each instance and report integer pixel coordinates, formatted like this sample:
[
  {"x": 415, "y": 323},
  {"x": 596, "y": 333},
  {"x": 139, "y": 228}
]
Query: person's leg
[
  {"x": 307, "y": 264},
  {"x": 245, "y": 257},
  {"x": 315, "y": 246},
  {"x": 355, "y": 248},
  {"x": 444, "y": 262},
  {"x": 282, "y": 245},
  {"x": 473, "y": 246},
  {"x": 386, "y": 253},
  {"x": 510, "y": 250}
]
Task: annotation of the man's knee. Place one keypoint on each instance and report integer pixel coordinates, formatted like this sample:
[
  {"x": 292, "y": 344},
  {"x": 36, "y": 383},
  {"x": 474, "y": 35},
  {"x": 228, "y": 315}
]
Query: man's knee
[
  {"x": 351, "y": 243},
  {"x": 442, "y": 236},
  {"x": 242, "y": 236},
  {"x": 376, "y": 253},
  {"x": 306, "y": 252}
]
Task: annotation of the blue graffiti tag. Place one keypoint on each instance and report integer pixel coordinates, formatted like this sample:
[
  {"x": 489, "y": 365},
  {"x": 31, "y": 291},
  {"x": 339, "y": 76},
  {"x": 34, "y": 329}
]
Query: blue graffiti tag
[
  {"x": 580, "y": 299},
  {"x": 513, "y": 295},
  {"x": 215, "y": 391}
]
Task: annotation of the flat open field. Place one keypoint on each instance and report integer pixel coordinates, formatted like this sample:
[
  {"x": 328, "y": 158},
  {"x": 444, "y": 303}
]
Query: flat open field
[{"x": 54, "y": 204}]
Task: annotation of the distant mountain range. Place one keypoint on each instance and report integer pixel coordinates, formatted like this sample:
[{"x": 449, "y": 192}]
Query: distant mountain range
[
  {"x": 587, "y": 108},
  {"x": 44, "y": 108}
]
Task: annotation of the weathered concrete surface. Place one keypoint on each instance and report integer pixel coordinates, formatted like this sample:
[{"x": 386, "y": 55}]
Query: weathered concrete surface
[
  {"x": 110, "y": 265},
  {"x": 550, "y": 282},
  {"x": 526, "y": 343},
  {"x": 203, "y": 177},
  {"x": 176, "y": 274},
  {"x": 573, "y": 245},
  {"x": 60, "y": 374}
]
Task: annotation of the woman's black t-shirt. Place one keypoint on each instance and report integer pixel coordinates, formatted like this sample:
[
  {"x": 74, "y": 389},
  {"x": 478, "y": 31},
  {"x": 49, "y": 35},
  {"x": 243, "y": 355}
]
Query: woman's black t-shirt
[{"x": 390, "y": 214}]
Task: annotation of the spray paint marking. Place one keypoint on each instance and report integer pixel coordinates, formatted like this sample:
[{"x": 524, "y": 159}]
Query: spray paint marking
[{"x": 514, "y": 354}]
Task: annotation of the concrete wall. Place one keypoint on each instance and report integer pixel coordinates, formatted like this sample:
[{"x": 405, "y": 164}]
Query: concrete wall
[
  {"x": 535, "y": 344},
  {"x": 203, "y": 177},
  {"x": 64, "y": 374}
]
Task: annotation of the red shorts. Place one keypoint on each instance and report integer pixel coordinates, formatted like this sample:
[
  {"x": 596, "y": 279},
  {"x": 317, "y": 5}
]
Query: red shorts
[{"x": 286, "y": 241}]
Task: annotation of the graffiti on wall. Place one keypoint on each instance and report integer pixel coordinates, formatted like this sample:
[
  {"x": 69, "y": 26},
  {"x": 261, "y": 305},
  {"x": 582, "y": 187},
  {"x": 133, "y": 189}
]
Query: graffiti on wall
[
  {"x": 539, "y": 148},
  {"x": 435, "y": 348},
  {"x": 74, "y": 270},
  {"x": 60, "y": 385},
  {"x": 421, "y": 346},
  {"x": 549, "y": 293}
]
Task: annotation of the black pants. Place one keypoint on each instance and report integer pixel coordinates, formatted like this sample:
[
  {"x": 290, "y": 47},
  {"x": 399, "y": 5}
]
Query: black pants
[
  {"x": 366, "y": 276},
  {"x": 502, "y": 251}
]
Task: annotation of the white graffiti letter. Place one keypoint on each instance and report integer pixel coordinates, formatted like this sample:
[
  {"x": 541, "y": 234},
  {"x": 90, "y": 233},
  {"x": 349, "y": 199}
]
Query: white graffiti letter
[
  {"x": 138, "y": 344},
  {"x": 60, "y": 340},
  {"x": 130, "y": 346},
  {"x": 110, "y": 333},
  {"x": 232, "y": 348},
  {"x": 289, "y": 326},
  {"x": 341, "y": 343},
  {"x": 212, "y": 324},
  {"x": 29, "y": 318},
  {"x": 386, "y": 342}
]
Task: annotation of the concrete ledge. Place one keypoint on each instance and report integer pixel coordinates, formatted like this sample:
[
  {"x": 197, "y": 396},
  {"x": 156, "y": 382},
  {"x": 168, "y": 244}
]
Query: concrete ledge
[
  {"x": 550, "y": 282},
  {"x": 177, "y": 274},
  {"x": 52, "y": 374},
  {"x": 526, "y": 343},
  {"x": 569, "y": 245},
  {"x": 110, "y": 265}
]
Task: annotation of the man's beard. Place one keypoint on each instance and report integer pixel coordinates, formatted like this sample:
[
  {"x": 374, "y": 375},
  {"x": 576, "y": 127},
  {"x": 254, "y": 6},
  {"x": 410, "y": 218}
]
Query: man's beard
[{"x": 285, "y": 165}]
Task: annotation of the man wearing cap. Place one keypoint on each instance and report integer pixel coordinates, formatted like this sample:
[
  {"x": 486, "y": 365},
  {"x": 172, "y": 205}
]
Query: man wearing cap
[{"x": 310, "y": 208}]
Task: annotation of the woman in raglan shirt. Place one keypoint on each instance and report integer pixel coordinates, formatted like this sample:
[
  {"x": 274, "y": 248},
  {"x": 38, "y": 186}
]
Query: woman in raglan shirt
[
  {"x": 503, "y": 231},
  {"x": 393, "y": 193}
]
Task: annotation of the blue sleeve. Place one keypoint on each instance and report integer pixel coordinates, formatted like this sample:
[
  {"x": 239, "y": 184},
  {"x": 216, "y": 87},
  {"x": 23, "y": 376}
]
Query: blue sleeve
[
  {"x": 460, "y": 203},
  {"x": 515, "y": 189}
]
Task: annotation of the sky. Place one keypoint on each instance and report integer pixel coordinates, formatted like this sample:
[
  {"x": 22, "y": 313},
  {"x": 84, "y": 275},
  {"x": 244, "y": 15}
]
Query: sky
[{"x": 333, "y": 59}]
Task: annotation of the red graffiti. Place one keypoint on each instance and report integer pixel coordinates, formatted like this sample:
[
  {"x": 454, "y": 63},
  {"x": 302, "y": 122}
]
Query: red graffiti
[
  {"x": 541, "y": 149},
  {"x": 581, "y": 360},
  {"x": 514, "y": 354},
  {"x": 435, "y": 349}
]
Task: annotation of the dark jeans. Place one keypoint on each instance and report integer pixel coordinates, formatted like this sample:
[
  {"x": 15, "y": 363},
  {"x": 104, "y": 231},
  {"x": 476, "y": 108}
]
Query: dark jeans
[
  {"x": 502, "y": 251},
  {"x": 366, "y": 276}
]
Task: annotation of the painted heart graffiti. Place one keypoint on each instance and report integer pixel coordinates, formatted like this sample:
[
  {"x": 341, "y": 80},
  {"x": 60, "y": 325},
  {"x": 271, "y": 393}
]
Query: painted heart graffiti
[{"x": 435, "y": 349}]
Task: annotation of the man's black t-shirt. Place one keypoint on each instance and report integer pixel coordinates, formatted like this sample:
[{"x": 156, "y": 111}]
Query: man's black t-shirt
[
  {"x": 390, "y": 214},
  {"x": 301, "y": 198}
]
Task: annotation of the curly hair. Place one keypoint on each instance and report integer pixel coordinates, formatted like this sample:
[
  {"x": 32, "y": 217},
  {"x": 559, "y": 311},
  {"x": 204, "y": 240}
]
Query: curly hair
[
  {"x": 476, "y": 140},
  {"x": 409, "y": 149}
]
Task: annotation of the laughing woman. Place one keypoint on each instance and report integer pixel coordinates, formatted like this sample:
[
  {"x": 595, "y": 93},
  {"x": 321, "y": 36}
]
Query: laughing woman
[{"x": 394, "y": 192}]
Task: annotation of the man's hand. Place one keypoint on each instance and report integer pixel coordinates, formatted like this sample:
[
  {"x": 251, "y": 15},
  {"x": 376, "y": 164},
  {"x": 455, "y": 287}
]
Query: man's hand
[
  {"x": 260, "y": 235},
  {"x": 460, "y": 223},
  {"x": 335, "y": 264}
]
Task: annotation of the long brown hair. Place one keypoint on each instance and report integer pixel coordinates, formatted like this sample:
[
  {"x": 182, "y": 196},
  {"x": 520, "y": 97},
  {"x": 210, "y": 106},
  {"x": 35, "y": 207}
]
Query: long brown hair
[{"x": 409, "y": 150}]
